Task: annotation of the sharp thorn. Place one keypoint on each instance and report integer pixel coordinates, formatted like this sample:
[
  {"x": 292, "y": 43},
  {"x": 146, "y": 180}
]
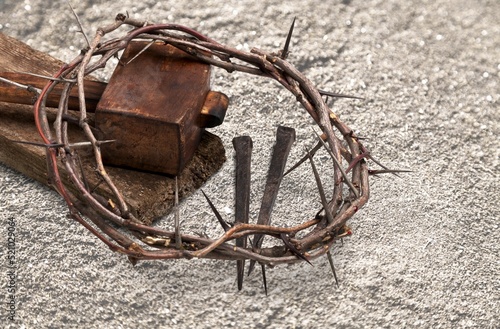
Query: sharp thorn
[
  {"x": 140, "y": 52},
  {"x": 240, "y": 272},
  {"x": 337, "y": 163},
  {"x": 133, "y": 260},
  {"x": 330, "y": 260},
  {"x": 264, "y": 277},
  {"x": 37, "y": 144},
  {"x": 381, "y": 165},
  {"x": 84, "y": 144},
  {"x": 292, "y": 248},
  {"x": 13, "y": 83},
  {"x": 79, "y": 24},
  {"x": 222, "y": 222},
  {"x": 303, "y": 159},
  {"x": 322, "y": 195},
  {"x": 28, "y": 88},
  {"x": 50, "y": 78},
  {"x": 251, "y": 267},
  {"x": 107, "y": 141},
  {"x": 387, "y": 171},
  {"x": 337, "y": 95},
  {"x": 284, "y": 53},
  {"x": 317, "y": 216}
]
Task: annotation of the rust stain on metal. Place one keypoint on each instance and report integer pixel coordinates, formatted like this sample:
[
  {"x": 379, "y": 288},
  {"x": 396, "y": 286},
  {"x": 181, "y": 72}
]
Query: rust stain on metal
[{"x": 166, "y": 93}]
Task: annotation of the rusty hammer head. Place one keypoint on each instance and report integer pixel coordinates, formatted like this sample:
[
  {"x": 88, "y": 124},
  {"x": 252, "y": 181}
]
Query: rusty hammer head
[{"x": 156, "y": 106}]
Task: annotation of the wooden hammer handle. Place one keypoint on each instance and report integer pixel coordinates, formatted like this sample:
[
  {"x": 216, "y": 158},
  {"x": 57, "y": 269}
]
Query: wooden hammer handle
[
  {"x": 14, "y": 94},
  {"x": 15, "y": 56}
]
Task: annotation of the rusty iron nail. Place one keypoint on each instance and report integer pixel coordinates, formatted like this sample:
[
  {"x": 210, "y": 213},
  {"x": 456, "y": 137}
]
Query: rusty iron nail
[
  {"x": 243, "y": 154},
  {"x": 285, "y": 137}
]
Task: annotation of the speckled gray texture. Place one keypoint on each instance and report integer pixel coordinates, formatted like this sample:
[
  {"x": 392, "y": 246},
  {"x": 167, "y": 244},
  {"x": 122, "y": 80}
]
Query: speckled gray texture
[{"x": 425, "y": 251}]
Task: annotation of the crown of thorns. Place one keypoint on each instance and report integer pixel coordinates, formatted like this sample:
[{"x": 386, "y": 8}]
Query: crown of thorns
[{"x": 122, "y": 232}]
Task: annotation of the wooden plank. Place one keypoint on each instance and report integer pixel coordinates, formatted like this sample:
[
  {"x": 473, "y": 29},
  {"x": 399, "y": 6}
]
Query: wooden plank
[
  {"x": 149, "y": 195},
  {"x": 16, "y": 56}
]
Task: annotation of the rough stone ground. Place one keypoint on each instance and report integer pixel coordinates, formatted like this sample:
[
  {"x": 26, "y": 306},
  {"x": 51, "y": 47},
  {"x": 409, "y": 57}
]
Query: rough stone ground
[{"x": 425, "y": 251}]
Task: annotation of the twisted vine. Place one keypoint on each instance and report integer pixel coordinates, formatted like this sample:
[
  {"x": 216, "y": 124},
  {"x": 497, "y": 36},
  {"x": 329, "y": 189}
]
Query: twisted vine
[{"x": 145, "y": 242}]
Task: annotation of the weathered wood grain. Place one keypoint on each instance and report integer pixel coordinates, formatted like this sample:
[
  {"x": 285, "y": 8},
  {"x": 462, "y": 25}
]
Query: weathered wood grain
[{"x": 149, "y": 195}]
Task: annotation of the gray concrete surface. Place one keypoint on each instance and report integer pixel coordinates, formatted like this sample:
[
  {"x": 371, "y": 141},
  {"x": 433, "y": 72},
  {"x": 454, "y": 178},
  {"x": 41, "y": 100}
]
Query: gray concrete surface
[{"x": 425, "y": 251}]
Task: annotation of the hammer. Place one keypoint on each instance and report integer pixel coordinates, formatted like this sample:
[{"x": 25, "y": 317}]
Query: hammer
[{"x": 155, "y": 107}]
